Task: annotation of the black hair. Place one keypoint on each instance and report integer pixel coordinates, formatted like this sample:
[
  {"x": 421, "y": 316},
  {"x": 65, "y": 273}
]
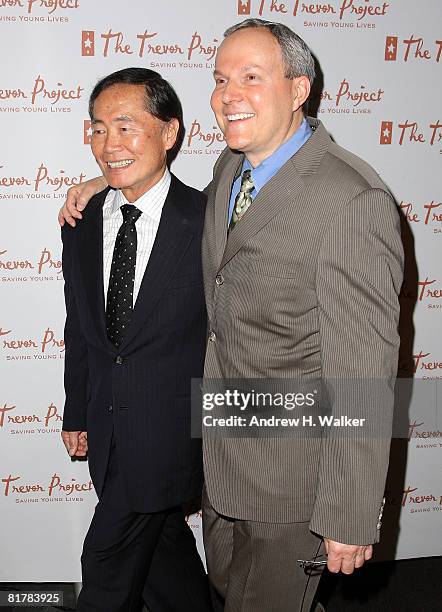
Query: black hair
[{"x": 161, "y": 99}]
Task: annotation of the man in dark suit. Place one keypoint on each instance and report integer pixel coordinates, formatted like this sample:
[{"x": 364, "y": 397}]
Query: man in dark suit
[{"x": 135, "y": 336}]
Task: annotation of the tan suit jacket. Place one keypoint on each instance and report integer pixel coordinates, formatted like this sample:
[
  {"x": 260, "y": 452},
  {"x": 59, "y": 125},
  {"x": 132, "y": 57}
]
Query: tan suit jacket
[{"x": 305, "y": 286}]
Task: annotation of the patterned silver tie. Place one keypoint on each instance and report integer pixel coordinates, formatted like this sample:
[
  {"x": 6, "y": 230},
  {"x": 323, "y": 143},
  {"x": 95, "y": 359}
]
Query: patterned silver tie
[{"x": 243, "y": 199}]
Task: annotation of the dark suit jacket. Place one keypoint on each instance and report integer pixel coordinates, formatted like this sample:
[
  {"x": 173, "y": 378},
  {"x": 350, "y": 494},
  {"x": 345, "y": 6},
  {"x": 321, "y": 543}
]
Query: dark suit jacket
[
  {"x": 140, "y": 393},
  {"x": 306, "y": 288}
]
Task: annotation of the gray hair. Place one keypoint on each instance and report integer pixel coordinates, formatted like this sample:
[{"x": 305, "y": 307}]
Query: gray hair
[{"x": 296, "y": 56}]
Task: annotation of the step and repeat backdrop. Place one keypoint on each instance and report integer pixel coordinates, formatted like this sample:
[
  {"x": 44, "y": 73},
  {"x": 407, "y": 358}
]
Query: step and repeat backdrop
[{"x": 379, "y": 94}]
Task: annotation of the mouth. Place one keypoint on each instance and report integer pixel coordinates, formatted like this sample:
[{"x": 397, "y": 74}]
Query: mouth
[
  {"x": 119, "y": 164},
  {"x": 239, "y": 116}
]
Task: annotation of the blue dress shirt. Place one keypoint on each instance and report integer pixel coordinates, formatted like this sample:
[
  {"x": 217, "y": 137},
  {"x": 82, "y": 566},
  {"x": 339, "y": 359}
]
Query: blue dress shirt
[{"x": 270, "y": 166}]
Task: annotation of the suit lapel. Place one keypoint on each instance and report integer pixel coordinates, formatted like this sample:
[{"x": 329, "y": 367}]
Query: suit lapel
[
  {"x": 222, "y": 200},
  {"x": 173, "y": 237},
  {"x": 90, "y": 255},
  {"x": 279, "y": 192}
]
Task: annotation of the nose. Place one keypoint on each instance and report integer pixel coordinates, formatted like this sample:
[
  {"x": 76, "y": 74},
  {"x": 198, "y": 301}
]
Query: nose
[
  {"x": 113, "y": 141},
  {"x": 232, "y": 92}
]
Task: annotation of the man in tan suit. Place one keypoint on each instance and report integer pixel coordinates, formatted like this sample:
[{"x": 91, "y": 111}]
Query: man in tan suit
[
  {"x": 303, "y": 285},
  {"x": 303, "y": 265}
]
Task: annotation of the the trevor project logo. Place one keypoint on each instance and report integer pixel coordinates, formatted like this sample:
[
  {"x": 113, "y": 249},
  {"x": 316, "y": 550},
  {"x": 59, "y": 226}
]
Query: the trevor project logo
[
  {"x": 244, "y": 7},
  {"x": 386, "y": 133},
  {"x": 391, "y": 48},
  {"x": 88, "y": 43},
  {"x": 87, "y": 132}
]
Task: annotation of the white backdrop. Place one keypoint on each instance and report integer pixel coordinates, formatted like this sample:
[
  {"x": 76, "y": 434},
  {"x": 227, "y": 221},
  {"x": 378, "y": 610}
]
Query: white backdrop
[{"x": 381, "y": 98}]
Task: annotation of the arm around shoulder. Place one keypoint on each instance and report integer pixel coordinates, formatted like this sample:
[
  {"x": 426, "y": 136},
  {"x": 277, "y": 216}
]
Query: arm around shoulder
[{"x": 77, "y": 199}]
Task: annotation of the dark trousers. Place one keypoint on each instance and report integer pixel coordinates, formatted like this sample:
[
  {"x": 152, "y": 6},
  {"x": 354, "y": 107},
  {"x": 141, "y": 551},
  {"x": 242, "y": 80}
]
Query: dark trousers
[
  {"x": 128, "y": 556},
  {"x": 254, "y": 566}
]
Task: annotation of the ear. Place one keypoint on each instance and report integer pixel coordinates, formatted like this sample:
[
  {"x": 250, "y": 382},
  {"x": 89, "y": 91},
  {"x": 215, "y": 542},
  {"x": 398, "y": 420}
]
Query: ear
[
  {"x": 170, "y": 133},
  {"x": 300, "y": 91}
]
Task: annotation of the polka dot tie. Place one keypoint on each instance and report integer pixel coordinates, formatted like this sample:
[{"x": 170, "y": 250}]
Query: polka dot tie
[{"x": 122, "y": 276}]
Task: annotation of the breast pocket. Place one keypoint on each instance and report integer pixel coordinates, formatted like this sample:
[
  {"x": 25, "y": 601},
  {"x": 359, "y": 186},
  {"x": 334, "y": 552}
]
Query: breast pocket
[
  {"x": 275, "y": 269},
  {"x": 280, "y": 289}
]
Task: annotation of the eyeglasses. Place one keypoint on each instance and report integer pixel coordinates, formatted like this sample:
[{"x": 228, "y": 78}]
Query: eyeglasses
[{"x": 312, "y": 564}]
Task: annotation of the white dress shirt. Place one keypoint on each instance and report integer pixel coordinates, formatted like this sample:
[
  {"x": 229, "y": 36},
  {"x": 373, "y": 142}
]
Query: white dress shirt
[{"x": 151, "y": 205}]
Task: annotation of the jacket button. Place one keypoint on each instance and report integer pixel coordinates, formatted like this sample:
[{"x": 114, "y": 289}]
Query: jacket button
[
  {"x": 219, "y": 279},
  {"x": 212, "y": 337},
  {"x": 119, "y": 360}
]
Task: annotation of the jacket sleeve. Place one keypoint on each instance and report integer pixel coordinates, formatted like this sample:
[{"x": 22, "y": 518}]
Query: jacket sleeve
[
  {"x": 359, "y": 277},
  {"x": 76, "y": 378}
]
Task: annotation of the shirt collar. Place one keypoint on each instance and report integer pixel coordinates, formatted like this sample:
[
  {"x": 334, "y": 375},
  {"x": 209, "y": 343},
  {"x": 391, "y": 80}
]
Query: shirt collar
[
  {"x": 270, "y": 166},
  {"x": 151, "y": 202}
]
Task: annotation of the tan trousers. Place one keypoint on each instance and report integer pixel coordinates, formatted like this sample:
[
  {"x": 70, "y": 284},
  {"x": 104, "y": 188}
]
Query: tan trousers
[{"x": 254, "y": 567}]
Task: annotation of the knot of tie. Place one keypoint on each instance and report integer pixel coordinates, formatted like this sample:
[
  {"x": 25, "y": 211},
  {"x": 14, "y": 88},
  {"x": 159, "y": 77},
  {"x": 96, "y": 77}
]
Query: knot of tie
[
  {"x": 247, "y": 185},
  {"x": 243, "y": 199},
  {"x": 130, "y": 213}
]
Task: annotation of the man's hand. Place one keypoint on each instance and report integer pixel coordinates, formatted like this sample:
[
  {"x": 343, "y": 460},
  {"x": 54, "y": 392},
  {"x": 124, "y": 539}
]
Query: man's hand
[
  {"x": 75, "y": 442},
  {"x": 77, "y": 199},
  {"x": 346, "y": 558}
]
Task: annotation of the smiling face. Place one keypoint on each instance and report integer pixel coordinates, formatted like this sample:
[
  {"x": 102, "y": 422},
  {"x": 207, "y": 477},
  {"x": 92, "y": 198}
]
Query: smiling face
[
  {"x": 256, "y": 106},
  {"x": 129, "y": 143}
]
